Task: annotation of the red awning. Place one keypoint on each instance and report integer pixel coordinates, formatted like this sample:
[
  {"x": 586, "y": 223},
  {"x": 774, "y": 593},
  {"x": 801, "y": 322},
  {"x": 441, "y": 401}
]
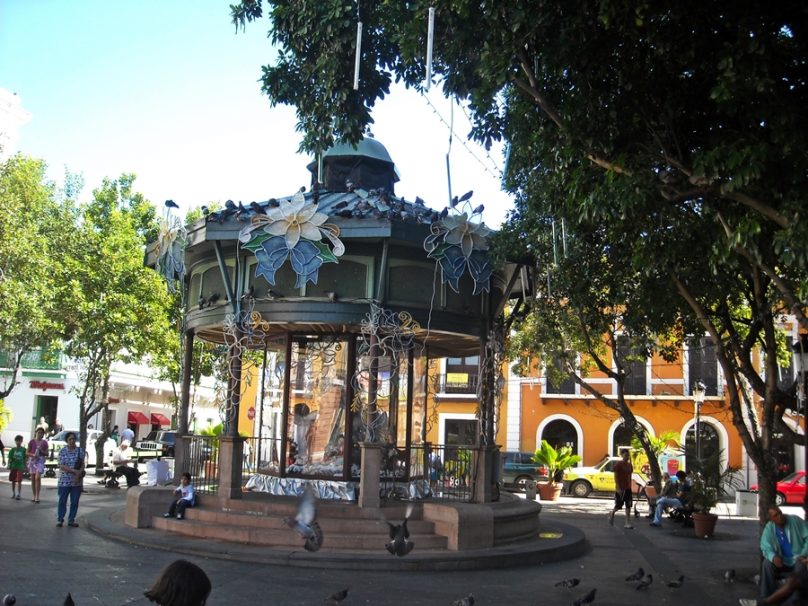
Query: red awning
[
  {"x": 161, "y": 420},
  {"x": 137, "y": 418}
]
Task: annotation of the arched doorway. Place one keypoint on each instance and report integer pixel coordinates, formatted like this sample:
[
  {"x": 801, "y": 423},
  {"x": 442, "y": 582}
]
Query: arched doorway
[
  {"x": 621, "y": 434},
  {"x": 710, "y": 443},
  {"x": 561, "y": 432}
]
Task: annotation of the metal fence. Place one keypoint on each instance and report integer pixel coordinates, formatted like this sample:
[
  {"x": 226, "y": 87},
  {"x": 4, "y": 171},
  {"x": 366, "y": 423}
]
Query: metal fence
[
  {"x": 203, "y": 463},
  {"x": 448, "y": 468}
]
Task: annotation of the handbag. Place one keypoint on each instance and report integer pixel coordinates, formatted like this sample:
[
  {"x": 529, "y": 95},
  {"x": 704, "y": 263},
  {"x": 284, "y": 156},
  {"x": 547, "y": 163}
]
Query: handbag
[{"x": 78, "y": 464}]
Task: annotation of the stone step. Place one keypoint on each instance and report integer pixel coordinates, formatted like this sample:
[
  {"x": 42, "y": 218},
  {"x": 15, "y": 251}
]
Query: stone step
[
  {"x": 196, "y": 527},
  {"x": 280, "y": 506},
  {"x": 275, "y": 520}
]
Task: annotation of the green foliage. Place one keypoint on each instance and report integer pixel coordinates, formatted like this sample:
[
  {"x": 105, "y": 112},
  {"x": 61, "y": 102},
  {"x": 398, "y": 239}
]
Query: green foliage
[
  {"x": 712, "y": 483},
  {"x": 120, "y": 307},
  {"x": 33, "y": 225},
  {"x": 659, "y": 444},
  {"x": 556, "y": 461}
]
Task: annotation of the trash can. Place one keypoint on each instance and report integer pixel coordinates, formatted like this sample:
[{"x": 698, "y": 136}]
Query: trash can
[
  {"x": 746, "y": 503},
  {"x": 530, "y": 490}
]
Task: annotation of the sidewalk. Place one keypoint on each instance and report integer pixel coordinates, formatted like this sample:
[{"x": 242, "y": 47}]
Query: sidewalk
[{"x": 99, "y": 570}]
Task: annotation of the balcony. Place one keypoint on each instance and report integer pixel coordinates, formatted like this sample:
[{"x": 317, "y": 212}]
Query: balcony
[
  {"x": 37, "y": 359},
  {"x": 456, "y": 382}
]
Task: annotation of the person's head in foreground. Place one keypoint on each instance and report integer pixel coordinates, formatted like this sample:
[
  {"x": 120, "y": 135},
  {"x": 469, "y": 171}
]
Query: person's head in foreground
[{"x": 180, "y": 584}]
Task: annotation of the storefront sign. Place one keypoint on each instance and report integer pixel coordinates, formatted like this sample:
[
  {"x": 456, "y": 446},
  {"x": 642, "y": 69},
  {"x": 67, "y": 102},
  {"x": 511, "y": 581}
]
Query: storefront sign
[{"x": 45, "y": 385}]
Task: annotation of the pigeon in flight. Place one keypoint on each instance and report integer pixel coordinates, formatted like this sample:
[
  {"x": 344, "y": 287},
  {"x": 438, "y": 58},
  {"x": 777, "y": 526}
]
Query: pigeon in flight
[
  {"x": 467, "y": 601},
  {"x": 645, "y": 582},
  {"x": 587, "y": 599},
  {"x": 729, "y": 575},
  {"x": 400, "y": 543},
  {"x": 677, "y": 583},
  {"x": 636, "y": 576},
  {"x": 337, "y": 597},
  {"x": 304, "y": 522},
  {"x": 568, "y": 583}
]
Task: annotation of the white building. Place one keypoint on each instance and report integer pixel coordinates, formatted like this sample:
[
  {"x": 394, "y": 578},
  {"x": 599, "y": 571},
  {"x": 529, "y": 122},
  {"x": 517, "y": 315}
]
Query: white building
[{"x": 50, "y": 388}]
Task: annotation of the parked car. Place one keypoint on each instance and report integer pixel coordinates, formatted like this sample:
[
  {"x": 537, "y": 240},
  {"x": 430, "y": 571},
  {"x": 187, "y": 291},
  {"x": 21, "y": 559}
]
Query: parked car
[
  {"x": 57, "y": 442},
  {"x": 159, "y": 440},
  {"x": 581, "y": 481},
  {"x": 518, "y": 469},
  {"x": 790, "y": 490}
]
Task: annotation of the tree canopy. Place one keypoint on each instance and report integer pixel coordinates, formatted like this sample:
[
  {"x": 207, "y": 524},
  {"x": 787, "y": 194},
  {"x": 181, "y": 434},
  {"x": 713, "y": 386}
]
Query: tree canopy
[{"x": 669, "y": 138}]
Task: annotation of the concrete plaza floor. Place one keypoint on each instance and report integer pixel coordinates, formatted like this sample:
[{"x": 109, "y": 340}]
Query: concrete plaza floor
[{"x": 40, "y": 563}]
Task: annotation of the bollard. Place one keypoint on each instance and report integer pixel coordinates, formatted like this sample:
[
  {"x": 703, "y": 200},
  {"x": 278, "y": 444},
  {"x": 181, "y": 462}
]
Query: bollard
[{"x": 530, "y": 490}]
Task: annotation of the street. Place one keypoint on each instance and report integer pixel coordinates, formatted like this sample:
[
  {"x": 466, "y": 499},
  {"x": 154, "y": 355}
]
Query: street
[{"x": 41, "y": 563}]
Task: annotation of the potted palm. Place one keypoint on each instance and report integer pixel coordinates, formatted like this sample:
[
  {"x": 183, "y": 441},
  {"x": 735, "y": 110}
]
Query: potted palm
[
  {"x": 557, "y": 461},
  {"x": 710, "y": 485}
]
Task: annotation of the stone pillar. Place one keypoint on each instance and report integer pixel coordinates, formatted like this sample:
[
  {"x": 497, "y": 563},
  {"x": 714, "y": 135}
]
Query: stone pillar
[
  {"x": 369, "y": 476},
  {"x": 185, "y": 389},
  {"x": 484, "y": 467},
  {"x": 231, "y": 450}
]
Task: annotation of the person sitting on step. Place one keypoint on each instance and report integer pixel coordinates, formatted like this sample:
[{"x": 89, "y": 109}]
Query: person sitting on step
[{"x": 183, "y": 497}]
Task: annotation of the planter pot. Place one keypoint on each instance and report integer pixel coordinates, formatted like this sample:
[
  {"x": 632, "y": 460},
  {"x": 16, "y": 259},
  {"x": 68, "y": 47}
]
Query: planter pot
[
  {"x": 550, "y": 491},
  {"x": 704, "y": 524}
]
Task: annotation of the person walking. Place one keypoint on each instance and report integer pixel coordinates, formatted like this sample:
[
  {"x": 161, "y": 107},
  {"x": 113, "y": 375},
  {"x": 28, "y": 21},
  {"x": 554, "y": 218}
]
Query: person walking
[
  {"x": 622, "y": 489},
  {"x": 16, "y": 465},
  {"x": 71, "y": 480},
  {"x": 127, "y": 435},
  {"x": 37, "y": 452}
]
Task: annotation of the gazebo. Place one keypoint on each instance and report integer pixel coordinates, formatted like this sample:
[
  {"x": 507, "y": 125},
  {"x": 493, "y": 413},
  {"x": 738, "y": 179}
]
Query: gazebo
[{"x": 342, "y": 294}]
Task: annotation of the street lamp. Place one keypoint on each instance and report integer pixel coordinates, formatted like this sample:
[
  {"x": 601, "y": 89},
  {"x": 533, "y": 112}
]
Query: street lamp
[
  {"x": 800, "y": 368},
  {"x": 698, "y": 392}
]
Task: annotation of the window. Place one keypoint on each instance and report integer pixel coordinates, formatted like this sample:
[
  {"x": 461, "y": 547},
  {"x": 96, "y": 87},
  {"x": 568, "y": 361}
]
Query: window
[
  {"x": 413, "y": 284},
  {"x": 460, "y": 432},
  {"x": 348, "y": 279},
  {"x": 621, "y": 439},
  {"x": 785, "y": 377},
  {"x": 461, "y": 375},
  {"x": 702, "y": 365},
  {"x": 633, "y": 360},
  {"x": 567, "y": 385}
]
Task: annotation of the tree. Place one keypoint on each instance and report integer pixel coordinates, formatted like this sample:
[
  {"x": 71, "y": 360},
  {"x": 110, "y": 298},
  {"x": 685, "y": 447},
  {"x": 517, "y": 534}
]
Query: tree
[
  {"x": 121, "y": 310},
  {"x": 32, "y": 225},
  {"x": 692, "y": 155}
]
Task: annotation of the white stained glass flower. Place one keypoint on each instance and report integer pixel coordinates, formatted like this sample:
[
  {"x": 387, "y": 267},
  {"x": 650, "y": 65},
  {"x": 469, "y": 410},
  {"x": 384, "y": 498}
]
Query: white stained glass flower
[
  {"x": 294, "y": 219},
  {"x": 468, "y": 234}
]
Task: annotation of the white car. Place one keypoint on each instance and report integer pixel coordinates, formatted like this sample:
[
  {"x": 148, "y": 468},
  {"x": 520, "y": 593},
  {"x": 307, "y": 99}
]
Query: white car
[{"x": 57, "y": 442}]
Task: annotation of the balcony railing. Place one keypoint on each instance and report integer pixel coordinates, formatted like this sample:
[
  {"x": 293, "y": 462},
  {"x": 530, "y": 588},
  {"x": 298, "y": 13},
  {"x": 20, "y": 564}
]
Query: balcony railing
[{"x": 456, "y": 382}]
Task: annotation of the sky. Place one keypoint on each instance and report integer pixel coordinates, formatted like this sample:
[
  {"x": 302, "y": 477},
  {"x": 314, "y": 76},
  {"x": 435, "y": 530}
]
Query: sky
[{"x": 169, "y": 91}]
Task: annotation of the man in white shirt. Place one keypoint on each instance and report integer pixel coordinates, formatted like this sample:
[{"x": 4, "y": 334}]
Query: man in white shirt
[{"x": 121, "y": 459}]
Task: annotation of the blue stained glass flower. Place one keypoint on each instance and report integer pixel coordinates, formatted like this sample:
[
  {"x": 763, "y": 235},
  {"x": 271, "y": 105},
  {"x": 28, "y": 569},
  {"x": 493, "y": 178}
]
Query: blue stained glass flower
[
  {"x": 271, "y": 256},
  {"x": 306, "y": 262}
]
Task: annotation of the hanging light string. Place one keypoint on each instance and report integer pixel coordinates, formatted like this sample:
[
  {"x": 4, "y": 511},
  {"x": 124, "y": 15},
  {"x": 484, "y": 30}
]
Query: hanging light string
[
  {"x": 358, "y": 57},
  {"x": 496, "y": 175},
  {"x": 487, "y": 154}
]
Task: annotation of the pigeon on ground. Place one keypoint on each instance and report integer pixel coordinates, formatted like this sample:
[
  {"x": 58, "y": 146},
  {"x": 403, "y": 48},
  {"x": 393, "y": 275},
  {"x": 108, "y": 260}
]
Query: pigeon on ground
[
  {"x": 400, "y": 543},
  {"x": 645, "y": 582},
  {"x": 729, "y": 575},
  {"x": 69, "y": 600},
  {"x": 337, "y": 597},
  {"x": 587, "y": 599},
  {"x": 568, "y": 583},
  {"x": 636, "y": 576},
  {"x": 467, "y": 601},
  {"x": 677, "y": 583},
  {"x": 304, "y": 523}
]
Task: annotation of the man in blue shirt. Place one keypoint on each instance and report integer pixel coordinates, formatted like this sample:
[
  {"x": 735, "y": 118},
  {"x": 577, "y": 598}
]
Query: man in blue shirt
[{"x": 784, "y": 544}]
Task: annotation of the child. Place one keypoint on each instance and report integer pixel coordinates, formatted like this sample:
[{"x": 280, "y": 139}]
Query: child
[
  {"x": 16, "y": 463},
  {"x": 184, "y": 494}
]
